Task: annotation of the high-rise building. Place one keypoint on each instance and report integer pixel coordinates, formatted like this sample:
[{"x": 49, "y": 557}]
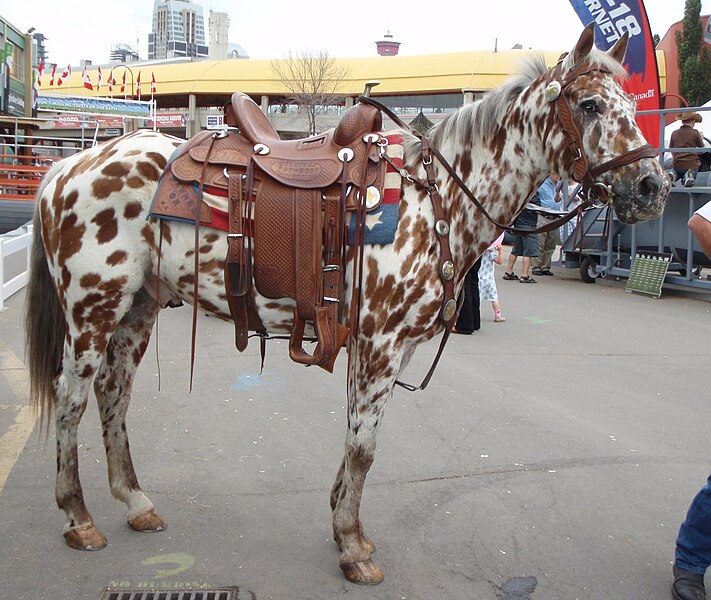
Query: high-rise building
[
  {"x": 219, "y": 30},
  {"x": 178, "y": 30}
]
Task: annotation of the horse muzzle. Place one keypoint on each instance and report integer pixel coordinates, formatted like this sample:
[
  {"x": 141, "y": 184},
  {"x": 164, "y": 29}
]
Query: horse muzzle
[{"x": 643, "y": 198}]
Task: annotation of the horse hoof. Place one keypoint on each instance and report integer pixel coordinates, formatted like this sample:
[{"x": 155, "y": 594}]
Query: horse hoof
[
  {"x": 365, "y": 572},
  {"x": 87, "y": 537},
  {"x": 148, "y": 522}
]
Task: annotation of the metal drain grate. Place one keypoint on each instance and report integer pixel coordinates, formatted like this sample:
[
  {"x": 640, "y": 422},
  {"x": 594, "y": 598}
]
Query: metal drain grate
[{"x": 185, "y": 594}]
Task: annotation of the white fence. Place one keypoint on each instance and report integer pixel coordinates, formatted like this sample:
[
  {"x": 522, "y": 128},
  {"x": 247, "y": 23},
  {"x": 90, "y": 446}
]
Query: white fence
[{"x": 12, "y": 243}]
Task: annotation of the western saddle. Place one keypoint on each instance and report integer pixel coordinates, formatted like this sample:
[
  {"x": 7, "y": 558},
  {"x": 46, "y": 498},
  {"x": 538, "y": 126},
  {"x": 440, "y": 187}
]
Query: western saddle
[{"x": 287, "y": 205}]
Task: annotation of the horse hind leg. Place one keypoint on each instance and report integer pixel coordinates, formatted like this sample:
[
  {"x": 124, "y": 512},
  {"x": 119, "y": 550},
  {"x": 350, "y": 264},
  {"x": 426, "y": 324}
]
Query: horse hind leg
[
  {"x": 71, "y": 393},
  {"x": 112, "y": 387}
]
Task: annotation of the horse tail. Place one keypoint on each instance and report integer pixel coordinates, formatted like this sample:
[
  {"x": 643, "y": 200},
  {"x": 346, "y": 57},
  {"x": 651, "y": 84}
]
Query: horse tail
[{"x": 45, "y": 325}]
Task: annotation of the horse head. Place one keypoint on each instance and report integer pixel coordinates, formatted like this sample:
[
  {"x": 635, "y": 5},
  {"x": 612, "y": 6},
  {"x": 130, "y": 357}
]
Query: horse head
[{"x": 591, "y": 135}]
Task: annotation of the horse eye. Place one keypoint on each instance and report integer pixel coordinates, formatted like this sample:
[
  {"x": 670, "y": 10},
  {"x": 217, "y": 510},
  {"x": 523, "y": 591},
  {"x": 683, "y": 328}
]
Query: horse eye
[{"x": 590, "y": 106}]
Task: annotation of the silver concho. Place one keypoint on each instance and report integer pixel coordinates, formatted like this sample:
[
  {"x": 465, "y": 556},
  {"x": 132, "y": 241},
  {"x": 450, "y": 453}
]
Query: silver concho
[
  {"x": 442, "y": 227},
  {"x": 552, "y": 91},
  {"x": 450, "y": 307},
  {"x": 345, "y": 154},
  {"x": 448, "y": 270},
  {"x": 372, "y": 198}
]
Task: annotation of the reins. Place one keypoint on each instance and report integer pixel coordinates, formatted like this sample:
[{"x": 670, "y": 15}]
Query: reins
[
  {"x": 592, "y": 190},
  {"x": 581, "y": 170}
]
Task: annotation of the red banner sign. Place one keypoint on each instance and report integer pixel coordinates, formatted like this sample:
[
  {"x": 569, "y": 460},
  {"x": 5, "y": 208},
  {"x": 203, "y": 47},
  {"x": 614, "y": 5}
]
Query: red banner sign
[{"x": 612, "y": 19}]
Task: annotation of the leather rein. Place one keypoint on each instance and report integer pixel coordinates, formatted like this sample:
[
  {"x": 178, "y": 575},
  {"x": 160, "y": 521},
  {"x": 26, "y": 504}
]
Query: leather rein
[{"x": 593, "y": 191}]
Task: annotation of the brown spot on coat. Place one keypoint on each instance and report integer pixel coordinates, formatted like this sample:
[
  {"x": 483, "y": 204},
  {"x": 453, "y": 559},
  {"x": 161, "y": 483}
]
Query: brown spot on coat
[
  {"x": 132, "y": 210},
  {"x": 148, "y": 171},
  {"x": 90, "y": 280},
  {"x": 104, "y": 187},
  {"x": 107, "y": 224},
  {"x": 116, "y": 258}
]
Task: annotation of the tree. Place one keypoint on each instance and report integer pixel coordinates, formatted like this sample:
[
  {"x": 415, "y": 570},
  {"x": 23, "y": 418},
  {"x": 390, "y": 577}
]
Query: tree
[
  {"x": 693, "y": 57},
  {"x": 312, "y": 81}
]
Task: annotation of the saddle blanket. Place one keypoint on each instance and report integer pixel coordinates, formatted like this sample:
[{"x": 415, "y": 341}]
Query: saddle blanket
[{"x": 380, "y": 223}]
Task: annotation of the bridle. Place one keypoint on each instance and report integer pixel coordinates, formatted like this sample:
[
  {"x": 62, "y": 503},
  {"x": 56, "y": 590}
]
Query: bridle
[{"x": 560, "y": 107}]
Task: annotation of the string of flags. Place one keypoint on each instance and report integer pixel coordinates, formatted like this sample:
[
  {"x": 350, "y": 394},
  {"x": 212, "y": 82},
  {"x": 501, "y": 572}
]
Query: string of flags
[{"x": 111, "y": 81}]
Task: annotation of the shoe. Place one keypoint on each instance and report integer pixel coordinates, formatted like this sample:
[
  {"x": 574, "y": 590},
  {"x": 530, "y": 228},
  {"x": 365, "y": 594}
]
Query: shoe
[
  {"x": 461, "y": 331},
  {"x": 688, "y": 585},
  {"x": 527, "y": 279},
  {"x": 536, "y": 271},
  {"x": 546, "y": 272},
  {"x": 510, "y": 276},
  {"x": 689, "y": 178},
  {"x": 499, "y": 318}
]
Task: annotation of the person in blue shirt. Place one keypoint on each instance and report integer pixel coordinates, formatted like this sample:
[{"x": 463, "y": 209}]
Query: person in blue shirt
[{"x": 550, "y": 196}]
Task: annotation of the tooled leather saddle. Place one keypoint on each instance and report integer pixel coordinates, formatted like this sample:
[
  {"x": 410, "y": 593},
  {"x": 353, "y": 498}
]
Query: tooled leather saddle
[{"x": 287, "y": 206}]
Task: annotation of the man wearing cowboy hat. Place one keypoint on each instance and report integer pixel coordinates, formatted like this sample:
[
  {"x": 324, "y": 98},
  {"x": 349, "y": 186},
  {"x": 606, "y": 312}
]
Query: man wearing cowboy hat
[{"x": 686, "y": 164}]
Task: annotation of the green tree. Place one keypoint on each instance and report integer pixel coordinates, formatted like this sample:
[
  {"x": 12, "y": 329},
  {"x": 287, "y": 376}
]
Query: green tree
[{"x": 693, "y": 57}]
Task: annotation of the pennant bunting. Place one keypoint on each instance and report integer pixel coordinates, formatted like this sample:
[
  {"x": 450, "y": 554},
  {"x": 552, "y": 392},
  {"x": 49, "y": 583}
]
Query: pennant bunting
[
  {"x": 138, "y": 85},
  {"x": 100, "y": 80},
  {"x": 40, "y": 73},
  {"x": 54, "y": 72},
  {"x": 123, "y": 82},
  {"x": 153, "y": 84}
]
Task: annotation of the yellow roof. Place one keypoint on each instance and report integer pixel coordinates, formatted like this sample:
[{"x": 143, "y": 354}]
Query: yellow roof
[{"x": 426, "y": 74}]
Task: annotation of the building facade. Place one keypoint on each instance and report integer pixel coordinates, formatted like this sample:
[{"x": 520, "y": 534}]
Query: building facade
[{"x": 178, "y": 30}]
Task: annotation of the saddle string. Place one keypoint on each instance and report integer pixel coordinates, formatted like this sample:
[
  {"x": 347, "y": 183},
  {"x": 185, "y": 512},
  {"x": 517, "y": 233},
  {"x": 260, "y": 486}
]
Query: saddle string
[
  {"x": 358, "y": 259},
  {"x": 198, "y": 206},
  {"x": 160, "y": 252}
]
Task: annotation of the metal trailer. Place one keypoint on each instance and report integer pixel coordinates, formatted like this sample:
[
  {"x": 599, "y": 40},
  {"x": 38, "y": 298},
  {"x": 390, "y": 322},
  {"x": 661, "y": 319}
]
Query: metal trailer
[{"x": 602, "y": 247}]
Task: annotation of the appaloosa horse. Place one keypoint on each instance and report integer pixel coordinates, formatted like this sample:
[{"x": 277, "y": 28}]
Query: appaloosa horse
[{"x": 95, "y": 265}]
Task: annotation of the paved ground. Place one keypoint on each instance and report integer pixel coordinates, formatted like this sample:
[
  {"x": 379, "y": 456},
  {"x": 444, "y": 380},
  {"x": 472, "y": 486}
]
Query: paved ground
[{"x": 552, "y": 457}]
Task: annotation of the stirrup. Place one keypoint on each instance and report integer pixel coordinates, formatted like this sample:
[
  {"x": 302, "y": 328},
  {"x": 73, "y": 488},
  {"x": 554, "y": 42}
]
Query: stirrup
[{"x": 328, "y": 342}]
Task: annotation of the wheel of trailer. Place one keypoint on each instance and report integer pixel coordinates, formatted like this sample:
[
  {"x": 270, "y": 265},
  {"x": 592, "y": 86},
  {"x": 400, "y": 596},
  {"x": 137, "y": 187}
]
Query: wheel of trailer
[{"x": 587, "y": 270}]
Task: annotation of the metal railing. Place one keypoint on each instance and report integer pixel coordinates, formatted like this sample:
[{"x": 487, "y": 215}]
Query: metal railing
[{"x": 10, "y": 244}]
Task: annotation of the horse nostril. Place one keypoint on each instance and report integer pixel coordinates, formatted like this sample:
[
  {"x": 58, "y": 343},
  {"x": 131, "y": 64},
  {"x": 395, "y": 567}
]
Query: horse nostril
[{"x": 650, "y": 185}]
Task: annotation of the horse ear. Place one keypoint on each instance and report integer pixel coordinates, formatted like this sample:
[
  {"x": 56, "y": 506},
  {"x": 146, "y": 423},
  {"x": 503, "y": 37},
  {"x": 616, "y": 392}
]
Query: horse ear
[
  {"x": 584, "y": 45},
  {"x": 619, "y": 50}
]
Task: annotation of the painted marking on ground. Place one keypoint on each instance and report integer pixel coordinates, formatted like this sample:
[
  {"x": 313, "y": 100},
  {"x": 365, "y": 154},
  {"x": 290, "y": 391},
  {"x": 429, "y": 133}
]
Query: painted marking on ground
[
  {"x": 246, "y": 382},
  {"x": 182, "y": 561},
  {"x": 537, "y": 320},
  {"x": 15, "y": 438}
]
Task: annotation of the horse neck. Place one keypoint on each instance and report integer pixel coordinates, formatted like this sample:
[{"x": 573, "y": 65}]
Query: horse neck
[{"x": 506, "y": 168}]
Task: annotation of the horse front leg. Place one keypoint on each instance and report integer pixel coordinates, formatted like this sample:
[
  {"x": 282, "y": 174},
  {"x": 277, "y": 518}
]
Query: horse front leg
[
  {"x": 368, "y": 393},
  {"x": 112, "y": 386}
]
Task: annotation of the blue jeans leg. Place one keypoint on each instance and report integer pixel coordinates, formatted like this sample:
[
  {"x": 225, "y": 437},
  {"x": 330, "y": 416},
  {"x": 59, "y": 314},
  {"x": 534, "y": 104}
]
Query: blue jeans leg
[{"x": 693, "y": 544}]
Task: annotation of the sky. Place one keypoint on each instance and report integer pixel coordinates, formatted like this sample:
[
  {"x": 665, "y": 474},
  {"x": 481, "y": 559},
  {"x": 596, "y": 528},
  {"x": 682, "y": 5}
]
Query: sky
[{"x": 87, "y": 29}]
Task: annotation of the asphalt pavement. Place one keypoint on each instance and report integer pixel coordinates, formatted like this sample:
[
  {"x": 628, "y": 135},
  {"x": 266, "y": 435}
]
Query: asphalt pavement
[{"x": 552, "y": 457}]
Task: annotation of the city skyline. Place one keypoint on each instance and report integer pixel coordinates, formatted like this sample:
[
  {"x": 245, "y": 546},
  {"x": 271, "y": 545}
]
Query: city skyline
[{"x": 91, "y": 29}]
